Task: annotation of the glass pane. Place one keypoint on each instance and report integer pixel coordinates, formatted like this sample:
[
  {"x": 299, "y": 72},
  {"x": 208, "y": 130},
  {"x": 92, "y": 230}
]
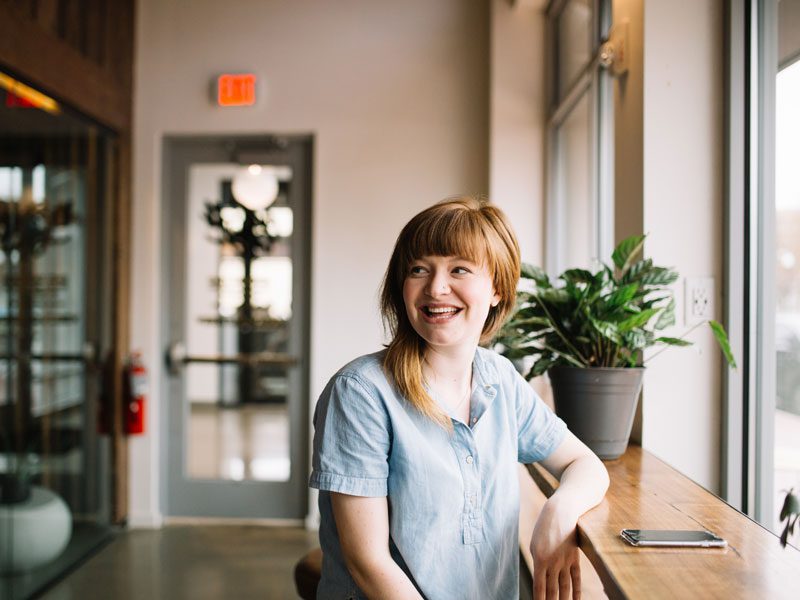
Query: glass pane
[
  {"x": 787, "y": 332},
  {"x": 574, "y": 43},
  {"x": 573, "y": 187},
  {"x": 238, "y": 305},
  {"x": 53, "y": 460}
]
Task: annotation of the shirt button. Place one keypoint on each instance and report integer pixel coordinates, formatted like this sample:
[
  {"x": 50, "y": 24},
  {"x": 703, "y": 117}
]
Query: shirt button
[
  {"x": 469, "y": 460},
  {"x": 474, "y": 420}
]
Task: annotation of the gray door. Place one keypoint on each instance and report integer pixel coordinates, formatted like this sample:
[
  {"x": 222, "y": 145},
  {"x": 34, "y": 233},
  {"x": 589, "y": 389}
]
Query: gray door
[{"x": 236, "y": 225}]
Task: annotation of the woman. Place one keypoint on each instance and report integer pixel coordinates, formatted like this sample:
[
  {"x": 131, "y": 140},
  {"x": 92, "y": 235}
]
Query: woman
[{"x": 415, "y": 447}]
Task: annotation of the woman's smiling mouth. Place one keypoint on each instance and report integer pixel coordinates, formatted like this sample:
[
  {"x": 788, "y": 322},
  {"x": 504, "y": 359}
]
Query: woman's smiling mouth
[{"x": 436, "y": 314}]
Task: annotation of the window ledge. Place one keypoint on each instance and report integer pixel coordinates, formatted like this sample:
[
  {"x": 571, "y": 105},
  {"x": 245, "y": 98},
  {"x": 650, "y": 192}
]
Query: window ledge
[{"x": 646, "y": 493}]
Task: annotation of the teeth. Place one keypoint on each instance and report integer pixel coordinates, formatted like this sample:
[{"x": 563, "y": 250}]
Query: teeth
[{"x": 438, "y": 311}]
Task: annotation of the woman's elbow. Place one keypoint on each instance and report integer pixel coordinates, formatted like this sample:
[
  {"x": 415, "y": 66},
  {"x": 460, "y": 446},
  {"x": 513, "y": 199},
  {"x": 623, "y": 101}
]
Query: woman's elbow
[{"x": 365, "y": 570}]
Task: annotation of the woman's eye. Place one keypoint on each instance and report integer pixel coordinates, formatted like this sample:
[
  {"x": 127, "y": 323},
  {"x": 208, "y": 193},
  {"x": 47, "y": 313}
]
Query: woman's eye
[
  {"x": 461, "y": 270},
  {"x": 416, "y": 270}
]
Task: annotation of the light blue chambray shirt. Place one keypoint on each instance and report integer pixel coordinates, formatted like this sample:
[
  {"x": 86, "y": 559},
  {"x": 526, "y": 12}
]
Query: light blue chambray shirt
[{"x": 453, "y": 498}]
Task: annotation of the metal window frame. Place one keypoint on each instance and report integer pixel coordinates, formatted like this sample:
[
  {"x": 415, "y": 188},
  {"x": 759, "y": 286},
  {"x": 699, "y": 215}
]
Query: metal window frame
[
  {"x": 596, "y": 82},
  {"x": 748, "y": 415}
]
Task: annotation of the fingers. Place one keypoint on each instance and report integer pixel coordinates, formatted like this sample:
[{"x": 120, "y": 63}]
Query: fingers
[
  {"x": 564, "y": 584},
  {"x": 539, "y": 583},
  {"x": 552, "y": 585},
  {"x": 575, "y": 575}
]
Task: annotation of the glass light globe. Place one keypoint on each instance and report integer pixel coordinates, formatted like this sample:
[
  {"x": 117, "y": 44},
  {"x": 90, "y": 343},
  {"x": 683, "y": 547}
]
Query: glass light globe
[{"x": 254, "y": 187}]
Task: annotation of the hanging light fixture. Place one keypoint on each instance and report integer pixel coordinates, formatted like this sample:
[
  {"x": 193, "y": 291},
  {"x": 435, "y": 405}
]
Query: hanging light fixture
[{"x": 255, "y": 187}]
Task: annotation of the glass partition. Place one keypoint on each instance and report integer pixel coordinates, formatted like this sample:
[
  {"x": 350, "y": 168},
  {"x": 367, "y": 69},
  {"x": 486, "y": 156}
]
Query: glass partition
[{"x": 54, "y": 317}]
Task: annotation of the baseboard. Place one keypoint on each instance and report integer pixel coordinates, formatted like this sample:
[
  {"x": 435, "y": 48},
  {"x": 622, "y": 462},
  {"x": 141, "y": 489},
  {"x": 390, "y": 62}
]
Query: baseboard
[
  {"x": 233, "y": 521},
  {"x": 145, "y": 521}
]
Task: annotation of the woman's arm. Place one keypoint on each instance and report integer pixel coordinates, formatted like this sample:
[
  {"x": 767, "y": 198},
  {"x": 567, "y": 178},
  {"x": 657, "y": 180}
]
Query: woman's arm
[
  {"x": 583, "y": 483},
  {"x": 363, "y": 527}
]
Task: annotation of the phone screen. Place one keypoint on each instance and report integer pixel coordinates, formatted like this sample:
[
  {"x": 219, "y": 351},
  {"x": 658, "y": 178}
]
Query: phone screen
[{"x": 671, "y": 537}]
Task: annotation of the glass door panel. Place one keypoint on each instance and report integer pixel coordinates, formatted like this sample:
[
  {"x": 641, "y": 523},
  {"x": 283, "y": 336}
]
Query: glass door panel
[{"x": 238, "y": 325}]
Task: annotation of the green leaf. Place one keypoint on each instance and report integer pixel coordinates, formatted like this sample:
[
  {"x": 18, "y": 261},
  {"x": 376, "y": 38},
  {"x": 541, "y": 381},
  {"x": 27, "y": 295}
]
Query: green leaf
[
  {"x": 638, "y": 320},
  {"x": 529, "y": 271},
  {"x": 651, "y": 300},
  {"x": 636, "y": 339},
  {"x": 531, "y": 323},
  {"x": 607, "y": 330},
  {"x": 540, "y": 367},
  {"x": 637, "y": 270},
  {"x": 673, "y": 341},
  {"x": 659, "y": 276},
  {"x": 667, "y": 316},
  {"x": 554, "y": 296},
  {"x": 791, "y": 505},
  {"x": 722, "y": 339},
  {"x": 627, "y": 250},
  {"x": 621, "y": 296},
  {"x": 577, "y": 276}
]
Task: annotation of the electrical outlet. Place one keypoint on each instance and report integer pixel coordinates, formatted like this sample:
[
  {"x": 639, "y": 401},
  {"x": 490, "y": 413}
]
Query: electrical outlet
[{"x": 698, "y": 300}]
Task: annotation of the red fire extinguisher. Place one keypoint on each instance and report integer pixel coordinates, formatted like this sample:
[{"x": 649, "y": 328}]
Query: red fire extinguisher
[{"x": 136, "y": 383}]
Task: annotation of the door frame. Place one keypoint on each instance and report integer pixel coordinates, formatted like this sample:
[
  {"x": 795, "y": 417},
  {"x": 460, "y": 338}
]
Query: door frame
[{"x": 218, "y": 496}]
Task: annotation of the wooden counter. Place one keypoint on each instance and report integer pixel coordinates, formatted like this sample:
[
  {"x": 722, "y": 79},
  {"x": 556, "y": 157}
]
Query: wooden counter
[{"x": 646, "y": 493}]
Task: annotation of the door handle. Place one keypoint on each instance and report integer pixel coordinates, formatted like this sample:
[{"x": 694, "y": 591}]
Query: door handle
[{"x": 177, "y": 357}]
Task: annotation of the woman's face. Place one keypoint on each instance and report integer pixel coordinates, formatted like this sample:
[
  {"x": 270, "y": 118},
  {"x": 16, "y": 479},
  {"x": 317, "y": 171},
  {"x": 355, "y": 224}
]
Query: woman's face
[{"x": 447, "y": 300}]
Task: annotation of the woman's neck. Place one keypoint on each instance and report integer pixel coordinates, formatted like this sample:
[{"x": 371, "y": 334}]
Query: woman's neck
[{"x": 448, "y": 369}]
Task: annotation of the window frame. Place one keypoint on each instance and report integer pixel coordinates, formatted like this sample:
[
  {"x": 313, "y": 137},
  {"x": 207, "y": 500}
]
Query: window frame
[
  {"x": 748, "y": 415},
  {"x": 596, "y": 82}
]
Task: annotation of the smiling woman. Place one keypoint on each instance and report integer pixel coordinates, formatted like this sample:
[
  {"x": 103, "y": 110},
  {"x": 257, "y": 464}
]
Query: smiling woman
[{"x": 415, "y": 447}]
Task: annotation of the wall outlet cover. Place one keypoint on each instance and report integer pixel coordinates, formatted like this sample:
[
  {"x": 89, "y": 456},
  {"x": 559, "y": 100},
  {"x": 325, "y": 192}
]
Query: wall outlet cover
[{"x": 698, "y": 300}]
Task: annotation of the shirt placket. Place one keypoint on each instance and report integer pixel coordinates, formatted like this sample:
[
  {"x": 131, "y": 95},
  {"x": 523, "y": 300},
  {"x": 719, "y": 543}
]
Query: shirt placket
[
  {"x": 469, "y": 463},
  {"x": 472, "y": 515}
]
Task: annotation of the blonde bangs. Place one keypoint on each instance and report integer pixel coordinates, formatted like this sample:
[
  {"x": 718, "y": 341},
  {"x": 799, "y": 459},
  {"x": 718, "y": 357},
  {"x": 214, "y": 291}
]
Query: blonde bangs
[{"x": 447, "y": 233}]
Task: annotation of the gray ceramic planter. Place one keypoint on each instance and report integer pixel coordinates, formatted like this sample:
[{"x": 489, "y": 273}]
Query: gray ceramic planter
[{"x": 598, "y": 405}]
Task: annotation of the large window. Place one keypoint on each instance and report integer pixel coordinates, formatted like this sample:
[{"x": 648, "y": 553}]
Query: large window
[
  {"x": 580, "y": 188},
  {"x": 763, "y": 408},
  {"x": 786, "y": 445}
]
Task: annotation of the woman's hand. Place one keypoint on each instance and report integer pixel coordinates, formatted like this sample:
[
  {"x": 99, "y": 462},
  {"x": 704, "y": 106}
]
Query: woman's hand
[
  {"x": 583, "y": 481},
  {"x": 556, "y": 564}
]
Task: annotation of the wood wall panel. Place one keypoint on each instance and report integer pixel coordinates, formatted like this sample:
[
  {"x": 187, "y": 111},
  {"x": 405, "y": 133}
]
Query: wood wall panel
[{"x": 78, "y": 51}]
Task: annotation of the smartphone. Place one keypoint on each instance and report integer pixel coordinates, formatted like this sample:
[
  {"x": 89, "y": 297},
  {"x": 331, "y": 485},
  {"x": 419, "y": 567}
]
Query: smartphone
[{"x": 670, "y": 537}]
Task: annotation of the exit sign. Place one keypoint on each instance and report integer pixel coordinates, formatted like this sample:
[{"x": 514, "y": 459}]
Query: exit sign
[{"x": 237, "y": 89}]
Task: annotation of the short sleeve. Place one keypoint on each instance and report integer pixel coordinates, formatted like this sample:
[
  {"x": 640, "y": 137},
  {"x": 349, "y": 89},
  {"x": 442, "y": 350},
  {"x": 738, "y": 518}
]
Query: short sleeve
[
  {"x": 539, "y": 430},
  {"x": 352, "y": 438}
]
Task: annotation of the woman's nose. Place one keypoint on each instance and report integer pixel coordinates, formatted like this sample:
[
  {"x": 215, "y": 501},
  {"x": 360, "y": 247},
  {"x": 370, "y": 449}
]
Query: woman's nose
[{"x": 438, "y": 284}]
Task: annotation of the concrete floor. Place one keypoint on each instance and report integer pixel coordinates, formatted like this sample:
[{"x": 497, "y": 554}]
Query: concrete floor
[{"x": 193, "y": 562}]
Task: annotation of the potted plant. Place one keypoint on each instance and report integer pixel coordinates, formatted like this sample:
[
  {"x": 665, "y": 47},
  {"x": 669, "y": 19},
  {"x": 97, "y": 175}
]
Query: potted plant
[
  {"x": 791, "y": 514},
  {"x": 589, "y": 332}
]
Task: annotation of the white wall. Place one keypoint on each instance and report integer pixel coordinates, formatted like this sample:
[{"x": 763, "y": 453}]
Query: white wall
[
  {"x": 396, "y": 96},
  {"x": 683, "y": 216}
]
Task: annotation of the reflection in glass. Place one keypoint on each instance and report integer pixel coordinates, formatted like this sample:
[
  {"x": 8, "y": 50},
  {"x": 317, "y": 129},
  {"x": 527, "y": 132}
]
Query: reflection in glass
[
  {"x": 787, "y": 326},
  {"x": 241, "y": 442},
  {"x": 239, "y": 275},
  {"x": 573, "y": 186}
]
